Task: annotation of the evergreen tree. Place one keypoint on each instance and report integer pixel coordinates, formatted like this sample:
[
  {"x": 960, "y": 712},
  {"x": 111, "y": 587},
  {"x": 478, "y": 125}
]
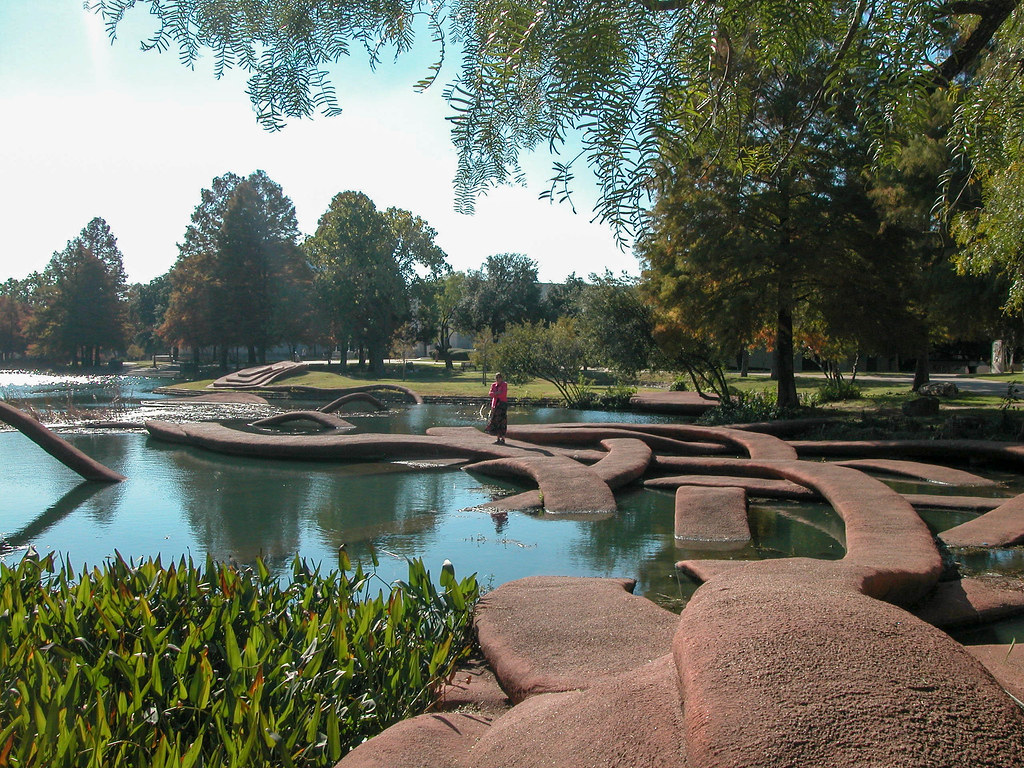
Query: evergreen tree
[
  {"x": 239, "y": 279},
  {"x": 81, "y": 311}
]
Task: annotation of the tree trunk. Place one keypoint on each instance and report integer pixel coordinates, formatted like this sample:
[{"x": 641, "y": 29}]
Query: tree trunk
[
  {"x": 376, "y": 359},
  {"x": 921, "y": 370},
  {"x": 744, "y": 363},
  {"x": 787, "y": 397}
]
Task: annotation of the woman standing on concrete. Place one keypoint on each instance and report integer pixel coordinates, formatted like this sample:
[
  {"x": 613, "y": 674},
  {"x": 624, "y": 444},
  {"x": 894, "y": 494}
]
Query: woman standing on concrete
[{"x": 497, "y": 424}]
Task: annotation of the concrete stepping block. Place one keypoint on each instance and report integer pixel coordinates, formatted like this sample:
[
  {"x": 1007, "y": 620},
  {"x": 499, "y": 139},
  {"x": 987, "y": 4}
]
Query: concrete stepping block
[
  {"x": 973, "y": 601},
  {"x": 915, "y": 469},
  {"x": 427, "y": 741},
  {"x": 632, "y": 720},
  {"x": 545, "y": 634},
  {"x": 754, "y": 486},
  {"x": 1005, "y": 663},
  {"x": 785, "y": 663},
  {"x": 1002, "y": 527},
  {"x": 711, "y": 516},
  {"x": 567, "y": 485}
]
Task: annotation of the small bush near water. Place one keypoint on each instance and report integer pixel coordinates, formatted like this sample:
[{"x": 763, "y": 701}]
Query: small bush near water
[{"x": 142, "y": 665}]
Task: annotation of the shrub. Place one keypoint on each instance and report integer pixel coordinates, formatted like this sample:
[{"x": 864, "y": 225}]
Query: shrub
[
  {"x": 131, "y": 665},
  {"x": 837, "y": 391},
  {"x": 679, "y": 385},
  {"x": 751, "y": 407}
]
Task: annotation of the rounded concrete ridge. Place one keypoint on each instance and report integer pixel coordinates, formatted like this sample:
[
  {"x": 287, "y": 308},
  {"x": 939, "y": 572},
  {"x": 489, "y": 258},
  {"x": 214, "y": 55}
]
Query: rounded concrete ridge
[
  {"x": 757, "y": 445},
  {"x": 972, "y": 601},
  {"x": 784, "y": 663},
  {"x": 942, "y": 450},
  {"x": 758, "y": 487},
  {"x": 632, "y": 720}
]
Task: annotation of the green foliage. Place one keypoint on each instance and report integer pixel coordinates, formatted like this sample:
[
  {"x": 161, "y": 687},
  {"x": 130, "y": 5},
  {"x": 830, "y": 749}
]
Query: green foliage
[
  {"x": 365, "y": 264},
  {"x": 750, "y": 407},
  {"x": 679, "y": 385},
  {"x": 615, "y": 398},
  {"x": 130, "y": 665},
  {"x": 628, "y": 84},
  {"x": 240, "y": 279},
  {"x": 80, "y": 301},
  {"x": 503, "y": 292},
  {"x": 838, "y": 391},
  {"x": 553, "y": 352},
  {"x": 616, "y": 323}
]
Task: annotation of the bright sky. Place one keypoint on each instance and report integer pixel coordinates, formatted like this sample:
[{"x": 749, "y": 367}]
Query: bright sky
[{"x": 93, "y": 129}]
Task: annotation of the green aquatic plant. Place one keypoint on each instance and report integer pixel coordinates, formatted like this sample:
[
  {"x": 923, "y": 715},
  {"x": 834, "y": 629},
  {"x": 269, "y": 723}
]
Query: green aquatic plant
[{"x": 216, "y": 665}]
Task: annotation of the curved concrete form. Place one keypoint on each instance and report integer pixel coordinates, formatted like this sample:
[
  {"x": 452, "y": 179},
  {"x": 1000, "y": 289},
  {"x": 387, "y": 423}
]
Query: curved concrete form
[
  {"x": 539, "y": 633},
  {"x": 918, "y": 471},
  {"x": 327, "y": 420},
  {"x": 780, "y": 663},
  {"x": 56, "y": 446},
  {"x": 940, "y": 450},
  {"x": 679, "y": 403},
  {"x": 341, "y": 392},
  {"x": 245, "y": 398},
  {"x": 682, "y": 439},
  {"x": 566, "y": 485},
  {"x": 757, "y": 487},
  {"x": 354, "y": 397}
]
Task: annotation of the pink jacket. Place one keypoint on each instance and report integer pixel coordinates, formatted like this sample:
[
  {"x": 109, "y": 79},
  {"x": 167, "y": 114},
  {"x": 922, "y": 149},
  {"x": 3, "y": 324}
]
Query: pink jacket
[{"x": 499, "y": 393}]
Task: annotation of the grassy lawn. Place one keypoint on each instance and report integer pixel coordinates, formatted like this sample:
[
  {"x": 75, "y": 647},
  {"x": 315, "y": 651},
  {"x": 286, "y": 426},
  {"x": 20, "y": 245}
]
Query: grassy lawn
[
  {"x": 431, "y": 379},
  {"x": 424, "y": 378}
]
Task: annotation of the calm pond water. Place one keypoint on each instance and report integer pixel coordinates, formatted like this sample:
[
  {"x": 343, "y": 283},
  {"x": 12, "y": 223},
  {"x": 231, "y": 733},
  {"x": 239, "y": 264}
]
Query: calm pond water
[{"x": 184, "y": 501}]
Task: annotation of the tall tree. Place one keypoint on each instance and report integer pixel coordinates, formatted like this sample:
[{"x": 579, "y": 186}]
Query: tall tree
[
  {"x": 239, "y": 275},
  {"x": 81, "y": 311},
  {"x": 365, "y": 262},
  {"x": 617, "y": 323},
  {"x": 438, "y": 304},
  {"x": 147, "y": 303},
  {"x": 14, "y": 318},
  {"x": 504, "y": 291}
]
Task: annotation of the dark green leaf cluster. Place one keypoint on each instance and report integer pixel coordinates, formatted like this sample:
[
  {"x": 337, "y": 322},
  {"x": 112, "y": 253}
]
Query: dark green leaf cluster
[{"x": 214, "y": 665}]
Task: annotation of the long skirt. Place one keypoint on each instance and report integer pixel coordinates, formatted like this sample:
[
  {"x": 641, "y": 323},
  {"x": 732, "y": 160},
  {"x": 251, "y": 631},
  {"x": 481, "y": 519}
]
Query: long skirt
[{"x": 497, "y": 424}]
